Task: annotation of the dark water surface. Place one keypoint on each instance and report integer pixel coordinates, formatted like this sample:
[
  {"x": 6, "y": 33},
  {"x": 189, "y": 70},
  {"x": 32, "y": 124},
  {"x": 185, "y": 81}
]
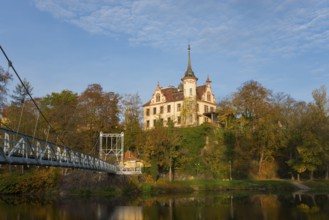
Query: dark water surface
[{"x": 193, "y": 206}]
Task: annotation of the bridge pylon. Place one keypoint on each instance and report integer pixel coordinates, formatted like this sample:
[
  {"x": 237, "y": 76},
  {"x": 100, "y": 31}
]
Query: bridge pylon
[{"x": 111, "y": 149}]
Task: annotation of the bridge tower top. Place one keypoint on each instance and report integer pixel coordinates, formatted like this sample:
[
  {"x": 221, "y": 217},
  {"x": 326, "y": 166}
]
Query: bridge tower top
[{"x": 111, "y": 145}]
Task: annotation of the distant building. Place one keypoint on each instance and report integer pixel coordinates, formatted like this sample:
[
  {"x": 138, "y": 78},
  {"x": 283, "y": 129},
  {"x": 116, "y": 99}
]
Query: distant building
[
  {"x": 186, "y": 105},
  {"x": 131, "y": 161}
]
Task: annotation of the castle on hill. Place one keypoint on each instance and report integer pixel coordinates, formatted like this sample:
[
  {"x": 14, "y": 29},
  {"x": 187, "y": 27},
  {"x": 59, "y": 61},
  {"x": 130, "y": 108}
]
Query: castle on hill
[{"x": 186, "y": 105}]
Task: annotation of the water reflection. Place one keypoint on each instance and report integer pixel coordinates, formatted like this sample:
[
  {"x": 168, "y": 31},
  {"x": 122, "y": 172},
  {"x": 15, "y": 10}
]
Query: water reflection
[{"x": 195, "y": 206}]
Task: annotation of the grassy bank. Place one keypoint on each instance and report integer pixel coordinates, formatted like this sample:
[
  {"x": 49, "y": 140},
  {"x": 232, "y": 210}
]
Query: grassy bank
[
  {"x": 163, "y": 187},
  {"x": 318, "y": 185},
  {"x": 86, "y": 183},
  {"x": 29, "y": 182}
]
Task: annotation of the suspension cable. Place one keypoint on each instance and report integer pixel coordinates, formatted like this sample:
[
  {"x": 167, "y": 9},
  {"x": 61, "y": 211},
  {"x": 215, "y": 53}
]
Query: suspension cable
[
  {"x": 10, "y": 64},
  {"x": 36, "y": 125},
  {"x": 20, "y": 117},
  {"x": 5, "y": 125}
]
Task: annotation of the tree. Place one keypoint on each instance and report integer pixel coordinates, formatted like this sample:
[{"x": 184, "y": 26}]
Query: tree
[
  {"x": 227, "y": 114},
  {"x": 154, "y": 151},
  {"x": 132, "y": 112},
  {"x": 98, "y": 111},
  {"x": 174, "y": 151},
  {"x": 21, "y": 93},
  {"x": 163, "y": 149},
  {"x": 294, "y": 126},
  {"x": 259, "y": 132},
  {"x": 61, "y": 111},
  {"x": 310, "y": 136},
  {"x": 218, "y": 153},
  {"x": 188, "y": 111},
  {"x": 193, "y": 142},
  {"x": 19, "y": 98},
  {"x": 5, "y": 77},
  {"x": 315, "y": 134}
]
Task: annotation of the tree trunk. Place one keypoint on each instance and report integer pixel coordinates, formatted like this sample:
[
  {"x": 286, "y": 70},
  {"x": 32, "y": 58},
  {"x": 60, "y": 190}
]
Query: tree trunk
[
  {"x": 298, "y": 177},
  {"x": 170, "y": 172},
  {"x": 312, "y": 175},
  {"x": 260, "y": 163},
  {"x": 327, "y": 173}
]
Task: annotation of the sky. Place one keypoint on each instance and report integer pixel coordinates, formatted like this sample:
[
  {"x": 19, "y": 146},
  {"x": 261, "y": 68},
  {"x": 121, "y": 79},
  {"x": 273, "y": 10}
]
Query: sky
[{"x": 128, "y": 46}]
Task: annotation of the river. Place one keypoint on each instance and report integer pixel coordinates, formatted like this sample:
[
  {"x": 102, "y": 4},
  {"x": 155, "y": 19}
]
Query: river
[{"x": 193, "y": 206}]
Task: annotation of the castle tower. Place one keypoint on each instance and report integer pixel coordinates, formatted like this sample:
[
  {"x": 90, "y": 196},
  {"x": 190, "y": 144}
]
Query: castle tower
[
  {"x": 189, "y": 80},
  {"x": 186, "y": 105}
]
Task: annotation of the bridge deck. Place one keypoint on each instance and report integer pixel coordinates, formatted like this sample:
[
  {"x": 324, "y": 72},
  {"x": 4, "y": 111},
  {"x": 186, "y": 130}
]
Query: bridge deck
[{"x": 20, "y": 149}]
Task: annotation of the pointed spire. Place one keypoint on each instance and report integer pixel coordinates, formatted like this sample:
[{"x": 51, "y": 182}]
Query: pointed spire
[
  {"x": 189, "y": 72},
  {"x": 189, "y": 67},
  {"x": 208, "y": 81}
]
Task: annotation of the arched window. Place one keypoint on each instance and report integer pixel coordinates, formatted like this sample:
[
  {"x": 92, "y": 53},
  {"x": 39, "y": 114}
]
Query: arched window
[
  {"x": 157, "y": 99},
  {"x": 208, "y": 96}
]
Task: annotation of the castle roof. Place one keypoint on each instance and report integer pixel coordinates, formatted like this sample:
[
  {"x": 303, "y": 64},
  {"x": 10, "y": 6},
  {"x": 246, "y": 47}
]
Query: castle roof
[
  {"x": 189, "y": 72},
  {"x": 173, "y": 94},
  {"x": 200, "y": 90}
]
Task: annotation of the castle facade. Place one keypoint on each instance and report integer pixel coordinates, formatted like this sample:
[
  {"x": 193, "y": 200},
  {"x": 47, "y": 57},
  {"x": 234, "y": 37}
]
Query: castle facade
[{"x": 186, "y": 105}]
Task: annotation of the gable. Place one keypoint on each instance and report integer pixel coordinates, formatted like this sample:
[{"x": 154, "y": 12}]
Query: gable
[{"x": 204, "y": 93}]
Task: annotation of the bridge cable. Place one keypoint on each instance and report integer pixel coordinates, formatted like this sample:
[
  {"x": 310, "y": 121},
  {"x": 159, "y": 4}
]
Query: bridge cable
[
  {"x": 10, "y": 64},
  {"x": 47, "y": 133},
  {"x": 7, "y": 126},
  {"x": 20, "y": 117},
  {"x": 36, "y": 125}
]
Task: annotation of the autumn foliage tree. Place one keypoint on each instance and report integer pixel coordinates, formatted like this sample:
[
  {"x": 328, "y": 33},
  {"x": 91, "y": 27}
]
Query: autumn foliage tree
[
  {"x": 5, "y": 77},
  {"x": 61, "y": 111},
  {"x": 97, "y": 111},
  {"x": 259, "y": 135}
]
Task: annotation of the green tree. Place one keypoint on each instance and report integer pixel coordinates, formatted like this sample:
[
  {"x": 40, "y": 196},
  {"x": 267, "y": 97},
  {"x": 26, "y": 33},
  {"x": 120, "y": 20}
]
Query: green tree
[
  {"x": 174, "y": 150},
  {"x": 311, "y": 136},
  {"x": 227, "y": 114},
  {"x": 287, "y": 113},
  {"x": 21, "y": 93},
  {"x": 218, "y": 153},
  {"x": 163, "y": 149},
  {"x": 61, "y": 111},
  {"x": 132, "y": 112},
  {"x": 193, "y": 142},
  {"x": 155, "y": 147},
  {"x": 188, "y": 111},
  {"x": 295, "y": 119},
  {"x": 259, "y": 133},
  {"x": 22, "y": 119}
]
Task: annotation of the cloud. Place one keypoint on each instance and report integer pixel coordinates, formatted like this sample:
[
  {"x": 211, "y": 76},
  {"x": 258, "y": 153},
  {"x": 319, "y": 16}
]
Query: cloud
[{"x": 274, "y": 27}]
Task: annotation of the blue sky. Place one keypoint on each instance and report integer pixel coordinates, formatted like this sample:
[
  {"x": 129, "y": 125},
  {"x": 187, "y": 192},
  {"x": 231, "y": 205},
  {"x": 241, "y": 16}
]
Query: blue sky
[{"x": 128, "y": 46}]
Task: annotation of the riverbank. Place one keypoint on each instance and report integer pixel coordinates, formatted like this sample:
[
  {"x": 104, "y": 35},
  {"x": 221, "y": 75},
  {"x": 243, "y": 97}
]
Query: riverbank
[
  {"x": 317, "y": 185},
  {"x": 85, "y": 183},
  {"x": 199, "y": 185}
]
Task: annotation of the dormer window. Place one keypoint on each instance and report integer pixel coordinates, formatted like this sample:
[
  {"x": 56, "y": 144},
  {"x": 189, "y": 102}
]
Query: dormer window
[{"x": 157, "y": 97}]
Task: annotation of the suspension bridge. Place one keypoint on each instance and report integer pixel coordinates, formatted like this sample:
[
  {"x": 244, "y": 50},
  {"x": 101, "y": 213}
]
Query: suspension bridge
[{"x": 21, "y": 149}]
